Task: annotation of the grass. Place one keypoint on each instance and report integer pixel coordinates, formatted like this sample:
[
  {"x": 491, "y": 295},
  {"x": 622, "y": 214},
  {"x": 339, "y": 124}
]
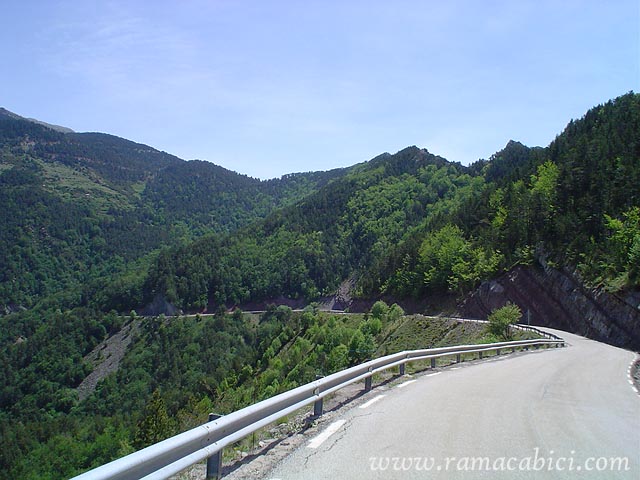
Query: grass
[
  {"x": 415, "y": 332},
  {"x": 72, "y": 183}
]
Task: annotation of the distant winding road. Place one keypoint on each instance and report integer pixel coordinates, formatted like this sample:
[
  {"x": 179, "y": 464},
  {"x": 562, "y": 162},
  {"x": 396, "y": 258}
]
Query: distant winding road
[{"x": 557, "y": 414}]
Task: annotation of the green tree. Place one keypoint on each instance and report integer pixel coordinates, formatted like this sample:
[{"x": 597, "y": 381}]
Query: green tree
[
  {"x": 338, "y": 358},
  {"x": 155, "y": 424},
  {"x": 450, "y": 262},
  {"x": 395, "y": 312},
  {"x": 623, "y": 244},
  {"x": 361, "y": 347},
  {"x": 379, "y": 310},
  {"x": 501, "y": 319}
]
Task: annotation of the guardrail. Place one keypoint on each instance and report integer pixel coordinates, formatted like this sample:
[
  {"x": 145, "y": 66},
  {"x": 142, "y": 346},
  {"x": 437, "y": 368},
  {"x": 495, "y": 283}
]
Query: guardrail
[
  {"x": 517, "y": 326},
  {"x": 171, "y": 456},
  {"x": 542, "y": 333}
]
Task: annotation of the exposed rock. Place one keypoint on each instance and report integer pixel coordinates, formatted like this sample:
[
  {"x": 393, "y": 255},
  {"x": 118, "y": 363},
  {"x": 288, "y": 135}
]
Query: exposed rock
[
  {"x": 106, "y": 358},
  {"x": 555, "y": 298},
  {"x": 160, "y": 306},
  {"x": 252, "y": 306},
  {"x": 11, "y": 308},
  {"x": 342, "y": 299}
]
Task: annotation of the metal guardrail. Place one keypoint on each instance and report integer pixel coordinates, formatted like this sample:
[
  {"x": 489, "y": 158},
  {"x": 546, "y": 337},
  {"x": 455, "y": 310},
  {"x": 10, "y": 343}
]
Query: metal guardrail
[{"x": 171, "y": 456}]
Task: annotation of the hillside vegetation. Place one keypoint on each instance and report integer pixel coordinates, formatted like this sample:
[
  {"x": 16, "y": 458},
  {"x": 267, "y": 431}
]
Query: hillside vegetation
[
  {"x": 79, "y": 207},
  {"x": 96, "y": 228},
  {"x": 177, "y": 370},
  {"x": 413, "y": 224}
]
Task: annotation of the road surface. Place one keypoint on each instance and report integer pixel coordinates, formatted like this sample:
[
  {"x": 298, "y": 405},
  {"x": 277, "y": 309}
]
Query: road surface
[{"x": 559, "y": 413}]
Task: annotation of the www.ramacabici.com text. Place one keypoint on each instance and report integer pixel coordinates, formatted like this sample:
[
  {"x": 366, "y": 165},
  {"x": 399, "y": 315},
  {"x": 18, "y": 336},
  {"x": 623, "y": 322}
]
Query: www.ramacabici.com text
[{"x": 531, "y": 463}]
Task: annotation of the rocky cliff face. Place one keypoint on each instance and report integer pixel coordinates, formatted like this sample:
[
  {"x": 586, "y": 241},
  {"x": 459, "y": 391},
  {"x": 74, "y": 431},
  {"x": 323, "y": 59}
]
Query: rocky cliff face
[{"x": 557, "y": 299}]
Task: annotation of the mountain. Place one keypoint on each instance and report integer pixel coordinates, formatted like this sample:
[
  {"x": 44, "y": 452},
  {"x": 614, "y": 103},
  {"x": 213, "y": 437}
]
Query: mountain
[
  {"x": 574, "y": 202},
  {"x": 79, "y": 206},
  {"x": 412, "y": 224},
  {"x": 96, "y": 227},
  {"x": 306, "y": 250},
  {"x": 6, "y": 113}
]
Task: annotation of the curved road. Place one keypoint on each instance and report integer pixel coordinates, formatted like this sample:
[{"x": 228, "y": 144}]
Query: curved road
[{"x": 559, "y": 413}]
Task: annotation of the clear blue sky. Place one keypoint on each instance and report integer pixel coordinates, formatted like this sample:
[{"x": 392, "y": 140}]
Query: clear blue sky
[{"x": 272, "y": 87}]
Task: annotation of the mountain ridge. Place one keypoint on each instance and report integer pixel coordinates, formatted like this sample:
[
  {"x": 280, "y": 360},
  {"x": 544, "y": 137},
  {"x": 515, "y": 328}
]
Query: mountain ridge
[
  {"x": 126, "y": 199},
  {"x": 57, "y": 128}
]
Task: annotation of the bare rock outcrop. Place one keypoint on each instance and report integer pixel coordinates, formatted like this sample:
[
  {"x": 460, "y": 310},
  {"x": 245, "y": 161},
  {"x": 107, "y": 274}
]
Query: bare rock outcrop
[{"x": 557, "y": 298}]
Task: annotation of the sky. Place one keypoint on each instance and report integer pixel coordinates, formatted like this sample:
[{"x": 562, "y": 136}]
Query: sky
[{"x": 267, "y": 88}]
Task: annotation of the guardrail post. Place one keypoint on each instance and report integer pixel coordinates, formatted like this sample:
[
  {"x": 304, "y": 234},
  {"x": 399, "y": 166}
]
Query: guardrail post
[
  {"x": 214, "y": 462},
  {"x": 458, "y": 358},
  {"x": 498, "y": 352},
  {"x": 402, "y": 367},
  {"x": 367, "y": 384},
  {"x": 433, "y": 363},
  {"x": 318, "y": 404},
  {"x": 317, "y": 408},
  {"x": 513, "y": 349},
  {"x": 480, "y": 355}
]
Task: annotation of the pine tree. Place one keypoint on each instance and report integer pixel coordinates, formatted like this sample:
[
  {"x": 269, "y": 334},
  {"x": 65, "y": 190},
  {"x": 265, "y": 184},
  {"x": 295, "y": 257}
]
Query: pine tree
[{"x": 155, "y": 425}]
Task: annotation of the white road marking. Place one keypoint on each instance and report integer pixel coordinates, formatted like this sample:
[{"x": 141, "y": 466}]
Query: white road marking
[
  {"x": 372, "y": 401},
  {"x": 629, "y": 374},
  {"x": 432, "y": 374},
  {"x": 402, "y": 385},
  {"x": 331, "y": 429}
]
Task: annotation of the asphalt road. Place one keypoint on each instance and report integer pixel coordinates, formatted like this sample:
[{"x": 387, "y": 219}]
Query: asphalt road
[{"x": 560, "y": 413}]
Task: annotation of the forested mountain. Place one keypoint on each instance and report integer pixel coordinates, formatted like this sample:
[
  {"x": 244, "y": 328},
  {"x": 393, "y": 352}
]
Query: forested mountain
[
  {"x": 308, "y": 249},
  {"x": 576, "y": 201},
  {"x": 76, "y": 207},
  {"x": 95, "y": 226},
  {"x": 413, "y": 224}
]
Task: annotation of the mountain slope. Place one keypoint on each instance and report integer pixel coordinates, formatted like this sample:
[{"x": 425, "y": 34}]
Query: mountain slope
[
  {"x": 77, "y": 207},
  {"x": 411, "y": 227},
  {"x": 575, "y": 202},
  {"x": 414, "y": 225},
  {"x": 308, "y": 249}
]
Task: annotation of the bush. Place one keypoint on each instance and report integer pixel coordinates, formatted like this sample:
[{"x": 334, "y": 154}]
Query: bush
[{"x": 502, "y": 318}]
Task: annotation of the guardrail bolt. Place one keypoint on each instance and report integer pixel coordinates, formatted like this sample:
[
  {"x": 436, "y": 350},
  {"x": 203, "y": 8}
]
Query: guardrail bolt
[{"x": 214, "y": 462}]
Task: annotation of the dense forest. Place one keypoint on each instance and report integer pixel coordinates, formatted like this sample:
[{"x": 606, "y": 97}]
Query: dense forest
[
  {"x": 97, "y": 228},
  {"x": 79, "y": 208},
  {"x": 413, "y": 224}
]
